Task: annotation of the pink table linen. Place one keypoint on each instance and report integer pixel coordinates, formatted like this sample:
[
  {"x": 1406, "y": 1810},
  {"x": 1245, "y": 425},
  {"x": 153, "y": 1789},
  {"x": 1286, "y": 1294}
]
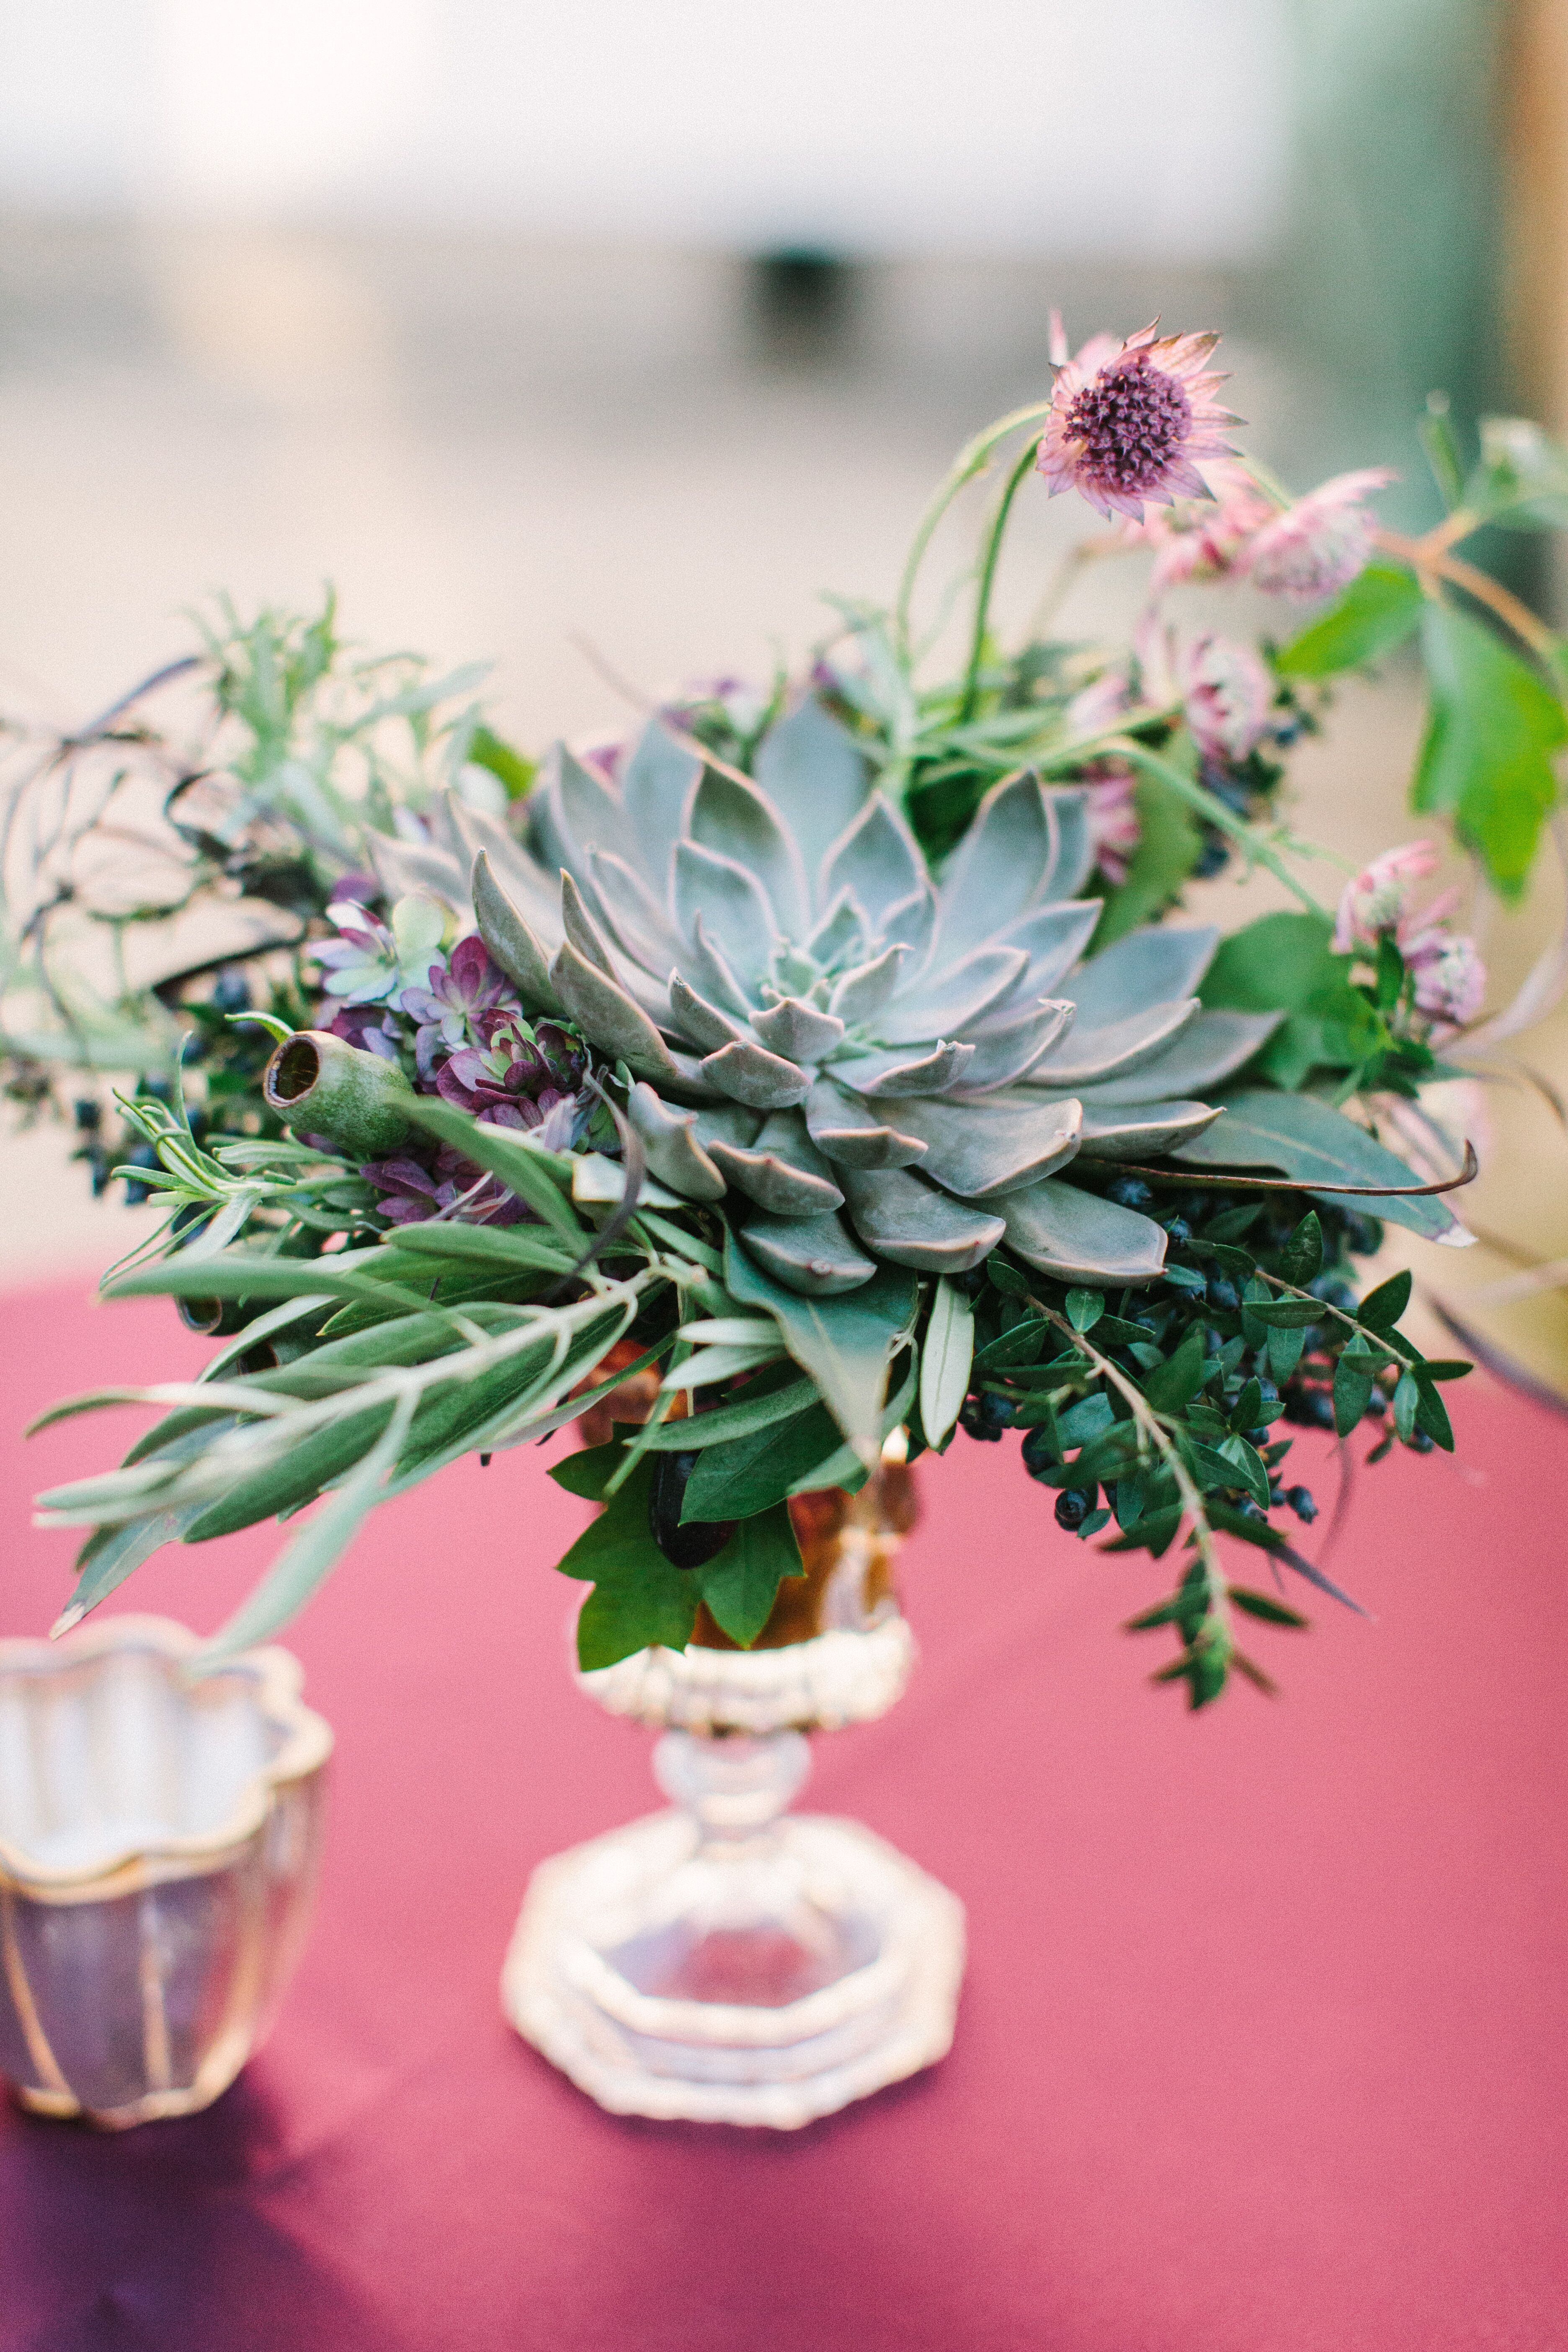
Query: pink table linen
[{"x": 1262, "y": 2047}]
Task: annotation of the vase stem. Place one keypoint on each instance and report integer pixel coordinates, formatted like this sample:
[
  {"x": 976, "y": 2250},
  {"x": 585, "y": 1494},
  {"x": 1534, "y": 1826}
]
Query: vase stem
[{"x": 734, "y": 1788}]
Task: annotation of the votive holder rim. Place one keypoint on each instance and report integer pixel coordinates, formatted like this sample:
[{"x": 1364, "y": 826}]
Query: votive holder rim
[{"x": 279, "y": 1677}]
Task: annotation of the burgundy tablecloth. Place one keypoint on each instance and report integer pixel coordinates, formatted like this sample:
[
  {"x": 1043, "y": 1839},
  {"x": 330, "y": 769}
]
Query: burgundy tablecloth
[{"x": 1262, "y": 2046}]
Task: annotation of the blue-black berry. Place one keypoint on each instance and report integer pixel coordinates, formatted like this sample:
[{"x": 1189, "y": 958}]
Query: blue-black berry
[
  {"x": 141, "y": 1155},
  {"x": 1074, "y": 1506},
  {"x": 695, "y": 1543},
  {"x": 1039, "y": 1453},
  {"x": 1130, "y": 1191},
  {"x": 987, "y": 1417},
  {"x": 1301, "y": 1501},
  {"x": 231, "y": 991}
]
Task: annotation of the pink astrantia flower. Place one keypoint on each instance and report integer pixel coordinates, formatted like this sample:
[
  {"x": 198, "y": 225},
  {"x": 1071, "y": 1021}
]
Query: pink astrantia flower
[
  {"x": 1101, "y": 706},
  {"x": 1109, "y": 805},
  {"x": 1378, "y": 900},
  {"x": 1128, "y": 419},
  {"x": 1450, "y": 977},
  {"x": 1319, "y": 544},
  {"x": 1224, "y": 691},
  {"x": 1112, "y": 813},
  {"x": 1226, "y": 694},
  {"x": 1201, "y": 539}
]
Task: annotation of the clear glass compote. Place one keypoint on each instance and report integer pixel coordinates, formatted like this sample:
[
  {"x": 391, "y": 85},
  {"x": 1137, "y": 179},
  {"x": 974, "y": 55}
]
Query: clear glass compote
[{"x": 729, "y": 1961}]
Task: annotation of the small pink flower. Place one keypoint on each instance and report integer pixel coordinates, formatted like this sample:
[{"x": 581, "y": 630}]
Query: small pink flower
[
  {"x": 1226, "y": 694},
  {"x": 1224, "y": 691},
  {"x": 1112, "y": 812},
  {"x": 1450, "y": 977},
  {"x": 1379, "y": 898},
  {"x": 1128, "y": 419},
  {"x": 1203, "y": 541},
  {"x": 1319, "y": 544},
  {"x": 1099, "y": 707}
]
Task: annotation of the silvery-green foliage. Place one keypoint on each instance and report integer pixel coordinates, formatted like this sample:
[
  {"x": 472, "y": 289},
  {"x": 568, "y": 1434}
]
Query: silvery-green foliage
[{"x": 869, "y": 1060}]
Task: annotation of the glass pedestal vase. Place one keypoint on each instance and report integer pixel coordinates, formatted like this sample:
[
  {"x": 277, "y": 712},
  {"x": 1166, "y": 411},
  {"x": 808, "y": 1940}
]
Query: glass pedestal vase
[{"x": 729, "y": 1961}]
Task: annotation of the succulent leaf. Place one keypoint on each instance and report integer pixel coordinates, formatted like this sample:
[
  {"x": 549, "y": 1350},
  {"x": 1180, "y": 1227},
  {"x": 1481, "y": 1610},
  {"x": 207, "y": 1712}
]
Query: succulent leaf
[
  {"x": 1209, "y": 1049},
  {"x": 605, "y": 1013},
  {"x": 952, "y": 1005},
  {"x": 581, "y": 928},
  {"x": 1085, "y": 1054},
  {"x": 798, "y": 1030},
  {"x": 783, "y": 1171},
  {"x": 736, "y": 821},
  {"x": 813, "y": 1256},
  {"x": 508, "y": 935},
  {"x": 1147, "y": 967},
  {"x": 1000, "y": 865},
  {"x": 810, "y": 770},
  {"x": 859, "y": 994},
  {"x": 853, "y": 1136},
  {"x": 656, "y": 795},
  {"x": 1141, "y": 1131},
  {"x": 734, "y": 909},
  {"x": 671, "y": 1147},
  {"x": 1005, "y": 1055},
  {"x": 749, "y": 1074},
  {"x": 1065, "y": 1230},
  {"x": 876, "y": 859},
  {"x": 701, "y": 1022},
  {"x": 980, "y": 1149},
  {"x": 900, "y": 1216}
]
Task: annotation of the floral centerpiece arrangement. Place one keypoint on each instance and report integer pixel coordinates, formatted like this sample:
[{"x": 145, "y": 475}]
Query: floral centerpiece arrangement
[{"x": 835, "y": 1057}]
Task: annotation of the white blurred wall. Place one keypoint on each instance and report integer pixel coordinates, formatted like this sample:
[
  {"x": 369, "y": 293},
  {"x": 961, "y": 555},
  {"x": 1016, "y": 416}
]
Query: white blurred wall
[{"x": 1148, "y": 129}]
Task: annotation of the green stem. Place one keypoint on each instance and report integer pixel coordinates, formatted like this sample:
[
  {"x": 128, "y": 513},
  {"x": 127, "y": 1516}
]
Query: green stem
[
  {"x": 1208, "y": 805},
  {"x": 970, "y": 460},
  {"x": 988, "y": 579},
  {"x": 1380, "y": 1340}
]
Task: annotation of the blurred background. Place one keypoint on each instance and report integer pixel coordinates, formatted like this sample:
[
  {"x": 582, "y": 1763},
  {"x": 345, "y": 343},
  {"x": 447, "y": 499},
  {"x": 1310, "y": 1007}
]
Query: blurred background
[{"x": 606, "y": 339}]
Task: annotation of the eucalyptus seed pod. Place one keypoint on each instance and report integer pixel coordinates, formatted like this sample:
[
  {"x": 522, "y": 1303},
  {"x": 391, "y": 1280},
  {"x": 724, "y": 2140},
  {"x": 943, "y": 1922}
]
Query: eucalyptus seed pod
[
  {"x": 214, "y": 1319},
  {"x": 322, "y": 1085},
  {"x": 696, "y": 1543}
]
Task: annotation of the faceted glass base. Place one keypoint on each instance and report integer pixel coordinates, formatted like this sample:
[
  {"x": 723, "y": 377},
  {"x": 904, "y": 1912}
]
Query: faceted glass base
[{"x": 721, "y": 1964}]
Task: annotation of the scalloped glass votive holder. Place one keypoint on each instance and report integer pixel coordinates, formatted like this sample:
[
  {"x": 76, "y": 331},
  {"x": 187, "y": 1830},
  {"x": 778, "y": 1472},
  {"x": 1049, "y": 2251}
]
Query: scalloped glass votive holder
[{"x": 159, "y": 1835}]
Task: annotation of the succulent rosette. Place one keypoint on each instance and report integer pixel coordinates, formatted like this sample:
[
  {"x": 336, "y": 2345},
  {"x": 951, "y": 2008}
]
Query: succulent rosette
[{"x": 866, "y": 1060}]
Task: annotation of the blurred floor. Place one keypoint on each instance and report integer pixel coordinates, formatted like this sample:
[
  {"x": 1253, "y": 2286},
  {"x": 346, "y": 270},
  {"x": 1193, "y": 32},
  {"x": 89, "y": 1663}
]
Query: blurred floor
[{"x": 502, "y": 450}]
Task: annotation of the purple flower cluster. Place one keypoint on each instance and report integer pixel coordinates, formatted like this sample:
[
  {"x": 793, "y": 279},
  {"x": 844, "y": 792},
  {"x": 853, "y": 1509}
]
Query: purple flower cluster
[
  {"x": 459, "y": 997},
  {"x": 462, "y": 1028},
  {"x": 517, "y": 1076}
]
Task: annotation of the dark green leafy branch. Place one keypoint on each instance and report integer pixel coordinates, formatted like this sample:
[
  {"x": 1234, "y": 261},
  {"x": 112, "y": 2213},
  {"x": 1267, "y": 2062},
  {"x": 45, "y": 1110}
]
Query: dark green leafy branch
[{"x": 1164, "y": 1400}]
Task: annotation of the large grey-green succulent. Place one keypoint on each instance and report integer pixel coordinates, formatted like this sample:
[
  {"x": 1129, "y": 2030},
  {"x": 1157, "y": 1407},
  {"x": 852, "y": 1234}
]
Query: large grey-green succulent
[{"x": 869, "y": 1061}]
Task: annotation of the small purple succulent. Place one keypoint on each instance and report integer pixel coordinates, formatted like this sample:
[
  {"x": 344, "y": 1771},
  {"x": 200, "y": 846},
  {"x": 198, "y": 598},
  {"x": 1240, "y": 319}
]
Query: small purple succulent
[
  {"x": 411, "y": 1194},
  {"x": 368, "y": 1026},
  {"x": 450, "y": 1009},
  {"x": 519, "y": 1068}
]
